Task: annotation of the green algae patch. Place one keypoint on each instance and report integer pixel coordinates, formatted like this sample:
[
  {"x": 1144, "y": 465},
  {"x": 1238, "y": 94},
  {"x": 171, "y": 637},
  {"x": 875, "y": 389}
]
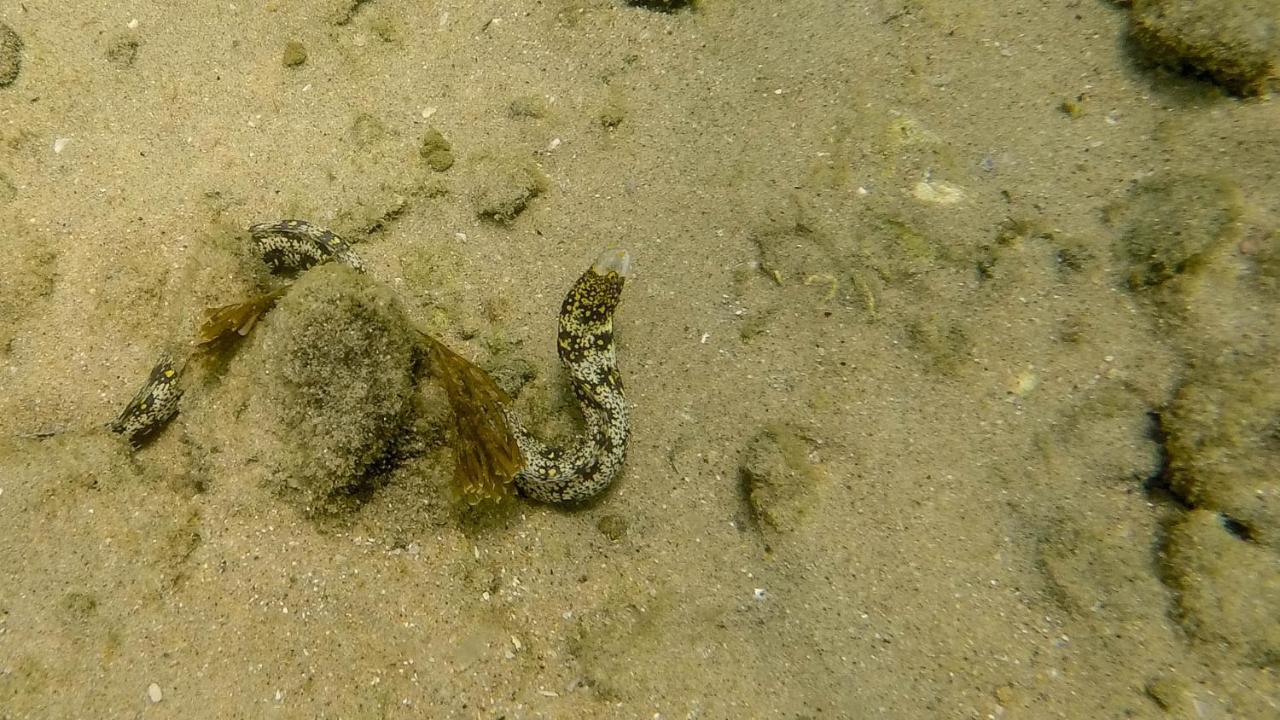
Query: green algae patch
[
  {"x": 1234, "y": 43},
  {"x": 1228, "y": 590},
  {"x": 1169, "y": 224},
  {"x": 336, "y": 373}
]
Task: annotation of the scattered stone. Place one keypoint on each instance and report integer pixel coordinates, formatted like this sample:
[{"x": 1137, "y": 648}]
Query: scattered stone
[
  {"x": 122, "y": 49},
  {"x": 613, "y": 527},
  {"x": 335, "y": 370},
  {"x": 666, "y": 6},
  {"x": 778, "y": 477},
  {"x": 505, "y": 188},
  {"x": 154, "y": 693},
  {"x": 295, "y": 54},
  {"x": 1235, "y": 43},
  {"x": 1169, "y": 223},
  {"x": 529, "y": 106},
  {"x": 10, "y": 55},
  {"x": 436, "y": 151},
  {"x": 1228, "y": 590}
]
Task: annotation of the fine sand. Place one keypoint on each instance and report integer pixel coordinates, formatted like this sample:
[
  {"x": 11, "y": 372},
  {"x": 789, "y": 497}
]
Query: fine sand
[{"x": 950, "y": 326}]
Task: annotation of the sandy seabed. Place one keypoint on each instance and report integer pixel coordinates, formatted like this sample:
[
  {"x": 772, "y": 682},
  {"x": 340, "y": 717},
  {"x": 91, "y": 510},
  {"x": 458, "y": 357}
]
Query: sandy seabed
[{"x": 917, "y": 431}]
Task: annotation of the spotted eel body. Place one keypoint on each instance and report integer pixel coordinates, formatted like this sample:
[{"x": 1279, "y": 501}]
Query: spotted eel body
[
  {"x": 291, "y": 246},
  {"x": 585, "y": 345},
  {"x": 153, "y": 405},
  {"x": 576, "y": 472}
]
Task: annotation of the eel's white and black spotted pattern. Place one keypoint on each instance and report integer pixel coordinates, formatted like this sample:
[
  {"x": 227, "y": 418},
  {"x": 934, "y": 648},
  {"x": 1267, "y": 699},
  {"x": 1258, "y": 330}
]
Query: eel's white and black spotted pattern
[
  {"x": 581, "y": 470},
  {"x": 585, "y": 344},
  {"x": 153, "y": 405},
  {"x": 291, "y": 246}
]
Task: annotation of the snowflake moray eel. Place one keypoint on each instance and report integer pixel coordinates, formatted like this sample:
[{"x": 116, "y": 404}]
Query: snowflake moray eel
[{"x": 580, "y": 470}]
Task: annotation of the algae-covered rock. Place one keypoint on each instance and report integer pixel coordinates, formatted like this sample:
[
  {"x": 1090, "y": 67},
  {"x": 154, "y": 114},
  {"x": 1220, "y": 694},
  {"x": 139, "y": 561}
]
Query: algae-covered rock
[
  {"x": 1223, "y": 441},
  {"x": 336, "y": 370},
  {"x": 614, "y": 110},
  {"x": 122, "y": 49},
  {"x": 294, "y": 54},
  {"x": 529, "y": 106},
  {"x": 1228, "y": 590},
  {"x": 505, "y": 186},
  {"x": 779, "y": 479},
  {"x": 1169, "y": 223},
  {"x": 1098, "y": 567},
  {"x": 940, "y": 339},
  {"x": 1236, "y": 43},
  {"x": 667, "y": 6},
  {"x": 1184, "y": 700},
  {"x": 613, "y": 527},
  {"x": 436, "y": 150},
  {"x": 27, "y": 276}
]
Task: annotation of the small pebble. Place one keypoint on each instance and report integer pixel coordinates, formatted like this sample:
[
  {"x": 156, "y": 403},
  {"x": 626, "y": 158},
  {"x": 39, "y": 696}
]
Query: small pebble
[{"x": 154, "y": 694}]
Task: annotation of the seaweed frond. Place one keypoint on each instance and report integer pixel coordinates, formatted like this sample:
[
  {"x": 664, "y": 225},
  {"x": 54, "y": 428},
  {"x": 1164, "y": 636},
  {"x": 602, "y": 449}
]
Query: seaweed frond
[
  {"x": 487, "y": 456},
  {"x": 238, "y": 318}
]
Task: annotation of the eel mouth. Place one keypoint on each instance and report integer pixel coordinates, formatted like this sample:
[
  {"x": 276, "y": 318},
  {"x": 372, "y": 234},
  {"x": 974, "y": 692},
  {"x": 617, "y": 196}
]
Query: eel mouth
[{"x": 613, "y": 261}]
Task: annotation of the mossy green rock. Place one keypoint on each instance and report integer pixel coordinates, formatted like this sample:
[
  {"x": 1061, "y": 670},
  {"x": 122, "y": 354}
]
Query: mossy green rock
[
  {"x": 295, "y": 54},
  {"x": 436, "y": 151},
  {"x": 663, "y": 5},
  {"x": 778, "y": 478},
  {"x": 529, "y": 106},
  {"x": 10, "y": 55},
  {"x": 337, "y": 372},
  {"x": 1223, "y": 441},
  {"x": 1169, "y": 224},
  {"x": 1236, "y": 43},
  {"x": 505, "y": 186},
  {"x": 1228, "y": 590}
]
